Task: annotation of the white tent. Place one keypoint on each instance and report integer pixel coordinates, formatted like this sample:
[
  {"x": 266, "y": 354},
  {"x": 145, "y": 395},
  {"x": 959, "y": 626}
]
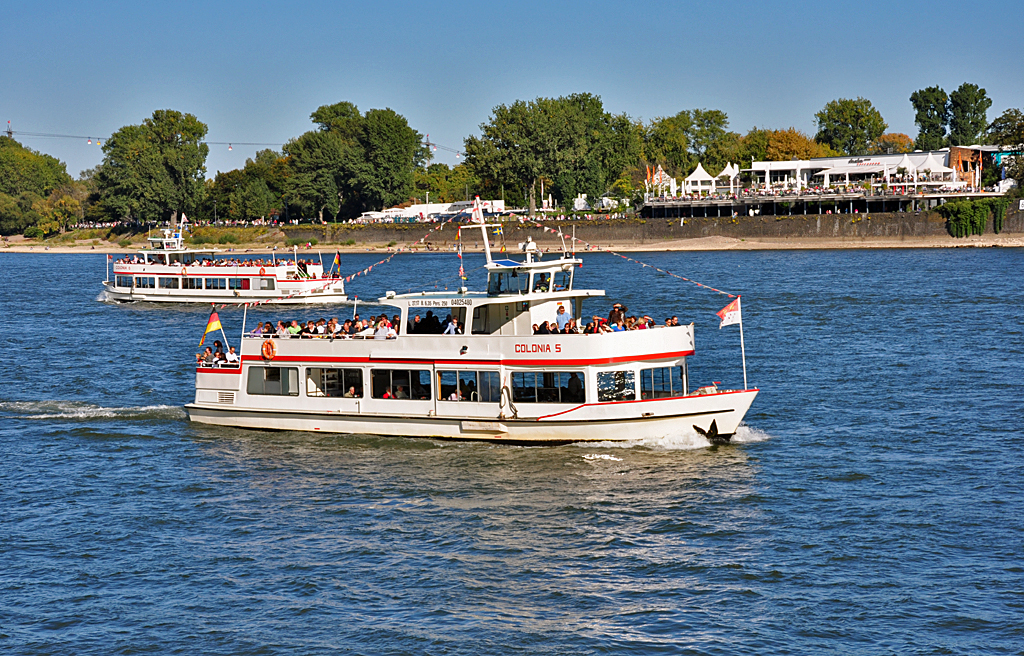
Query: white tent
[
  {"x": 697, "y": 179},
  {"x": 934, "y": 166},
  {"x": 905, "y": 163},
  {"x": 729, "y": 172}
]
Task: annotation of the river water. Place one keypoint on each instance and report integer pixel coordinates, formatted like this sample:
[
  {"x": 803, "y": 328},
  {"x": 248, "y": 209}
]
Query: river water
[{"x": 872, "y": 504}]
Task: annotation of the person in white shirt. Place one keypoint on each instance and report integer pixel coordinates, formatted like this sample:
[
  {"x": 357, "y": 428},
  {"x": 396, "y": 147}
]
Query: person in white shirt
[{"x": 231, "y": 357}]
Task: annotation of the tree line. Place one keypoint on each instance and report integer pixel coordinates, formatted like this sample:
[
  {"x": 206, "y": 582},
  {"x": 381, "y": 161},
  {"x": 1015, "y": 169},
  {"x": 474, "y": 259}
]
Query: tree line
[{"x": 351, "y": 162}]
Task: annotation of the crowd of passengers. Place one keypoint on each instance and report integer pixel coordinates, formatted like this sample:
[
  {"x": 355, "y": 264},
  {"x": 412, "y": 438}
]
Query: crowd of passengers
[
  {"x": 226, "y": 262},
  {"x": 617, "y": 321},
  {"x": 214, "y": 356},
  {"x": 380, "y": 327}
]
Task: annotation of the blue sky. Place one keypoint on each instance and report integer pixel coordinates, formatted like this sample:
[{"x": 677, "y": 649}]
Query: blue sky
[{"x": 254, "y": 71}]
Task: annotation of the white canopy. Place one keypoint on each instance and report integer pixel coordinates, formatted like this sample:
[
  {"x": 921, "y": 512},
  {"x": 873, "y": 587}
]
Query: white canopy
[
  {"x": 904, "y": 163},
  {"x": 730, "y": 171},
  {"x": 933, "y": 165},
  {"x": 699, "y": 175}
]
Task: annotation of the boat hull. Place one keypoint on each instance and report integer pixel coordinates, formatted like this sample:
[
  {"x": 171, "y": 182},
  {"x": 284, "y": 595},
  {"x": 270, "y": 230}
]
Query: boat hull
[
  {"x": 324, "y": 297},
  {"x": 619, "y": 422}
]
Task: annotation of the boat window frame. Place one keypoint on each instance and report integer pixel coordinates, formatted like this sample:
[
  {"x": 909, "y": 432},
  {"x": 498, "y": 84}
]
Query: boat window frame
[
  {"x": 258, "y": 377},
  {"x": 649, "y": 381},
  {"x": 543, "y": 390},
  {"x": 492, "y": 385},
  {"x": 392, "y": 385},
  {"x": 347, "y": 377}
]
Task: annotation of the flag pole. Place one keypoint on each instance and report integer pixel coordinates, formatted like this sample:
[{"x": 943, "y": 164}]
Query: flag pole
[
  {"x": 743, "y": 351},
  {"x": 245, "y": 313}
]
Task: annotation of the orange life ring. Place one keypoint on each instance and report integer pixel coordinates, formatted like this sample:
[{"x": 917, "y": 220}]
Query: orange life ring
[
  {"x": 263, "y": 271},
  {"x": 269, "y": 349},
  {"x": 184, "y": 272}
]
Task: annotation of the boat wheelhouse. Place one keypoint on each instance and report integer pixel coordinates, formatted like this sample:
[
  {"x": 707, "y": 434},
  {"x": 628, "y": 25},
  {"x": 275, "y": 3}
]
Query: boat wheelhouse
[
  {"x": 498, "y": 381},
  {"x": 167, "y": 271}
]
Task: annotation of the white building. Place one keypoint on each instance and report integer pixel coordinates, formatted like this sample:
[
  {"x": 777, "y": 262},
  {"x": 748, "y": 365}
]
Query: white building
[{"x": 929, "y": 169}]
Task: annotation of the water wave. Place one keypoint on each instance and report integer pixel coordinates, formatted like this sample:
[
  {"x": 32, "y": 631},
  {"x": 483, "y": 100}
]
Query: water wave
[
  {"x": 601, "y": 456},
  {"x": 687, "y": 440},
  {"x": 63, "y": 409}
]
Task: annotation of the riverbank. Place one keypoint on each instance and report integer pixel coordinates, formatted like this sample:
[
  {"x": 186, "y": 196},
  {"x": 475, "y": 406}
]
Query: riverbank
[{"x": 713, "y": 243}]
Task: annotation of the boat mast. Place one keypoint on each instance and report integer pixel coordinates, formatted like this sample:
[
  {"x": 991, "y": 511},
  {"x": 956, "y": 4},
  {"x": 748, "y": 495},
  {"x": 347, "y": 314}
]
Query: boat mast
[{"x": 478, "y": 215}]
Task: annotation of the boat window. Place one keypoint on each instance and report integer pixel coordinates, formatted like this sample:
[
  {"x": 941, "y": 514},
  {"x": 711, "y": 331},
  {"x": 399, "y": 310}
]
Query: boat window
[
  {"x": 266, "y": 283},
  {"x": 563, "y": 281},
  {"x": 662, "y": 383},
  {"x": 191, "y": 283},
  {"x": 508, "y": 282},
  {"x": 499, "y": 282},
  {"x": 216, "y": 283},
  {"x": 548, "y": 387},
  {"x": 476, "y": 386},
  {"x": 276, "y": 381},
  {"x": 400, "y": 384},
  {"x": 123, "y": 281},
  {"x": 616, "y": 386},
  {"x": 542, "y": 282},
  {"x": 145, "y": 282},
  {"x": 334, "y": 382},
  {"x": 168, "y": 283},
  {"x": 238, "y": 283}
]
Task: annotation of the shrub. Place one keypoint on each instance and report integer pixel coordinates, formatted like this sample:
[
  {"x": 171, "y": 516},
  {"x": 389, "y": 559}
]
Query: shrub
[
  {"x": 124, "y": 243},
  {"x": 391, "y": 243},
  {"x": 33, "y": 232},
  {"x": 228, "y": 239},
  {"x": 314, "y": 241},
  {"x": 292, "y": 242},
  {"x": 349, "y": 242}
]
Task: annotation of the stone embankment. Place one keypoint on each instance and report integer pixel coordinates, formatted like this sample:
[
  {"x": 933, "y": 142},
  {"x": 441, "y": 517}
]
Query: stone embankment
[{"x": 860, "y": 228}]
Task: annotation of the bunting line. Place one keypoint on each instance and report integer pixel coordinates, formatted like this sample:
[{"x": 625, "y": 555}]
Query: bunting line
[{"x": 625, "y": 257}]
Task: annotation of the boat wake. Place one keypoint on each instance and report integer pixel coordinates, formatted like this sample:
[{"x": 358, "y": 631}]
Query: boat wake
[
  {"x": 686, "y": 441},
  {"x": 61, "y": 409}
]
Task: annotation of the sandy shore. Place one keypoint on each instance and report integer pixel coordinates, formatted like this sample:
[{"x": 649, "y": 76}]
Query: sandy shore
[{"x": 19, "y": 245}]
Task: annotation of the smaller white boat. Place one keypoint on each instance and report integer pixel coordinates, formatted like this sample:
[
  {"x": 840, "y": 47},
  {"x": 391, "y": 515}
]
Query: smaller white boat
[{"x": 168, "y": 272}]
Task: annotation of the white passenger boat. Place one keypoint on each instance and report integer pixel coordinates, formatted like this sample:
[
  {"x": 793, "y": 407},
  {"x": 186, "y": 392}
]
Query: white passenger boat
[
  {"x": 167, "y": 271},
  {"x": 498, "y": 382}
]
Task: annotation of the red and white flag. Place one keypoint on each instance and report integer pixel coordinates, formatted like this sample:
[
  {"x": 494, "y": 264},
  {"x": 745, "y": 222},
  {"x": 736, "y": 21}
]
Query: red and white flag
[{"x": 730, "y": 314}]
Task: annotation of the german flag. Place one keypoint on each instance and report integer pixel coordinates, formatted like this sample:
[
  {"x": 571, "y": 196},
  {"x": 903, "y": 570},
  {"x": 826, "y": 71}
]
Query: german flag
[{"x": 211, "y": 325}]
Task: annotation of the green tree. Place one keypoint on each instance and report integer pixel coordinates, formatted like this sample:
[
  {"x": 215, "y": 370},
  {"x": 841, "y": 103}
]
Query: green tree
[
  {"x": 390, "y": 151},
  {"x": 666, "y": 143},
  {"x": 570, "y": 141},
  {"x": 931, "y": 114},
  {"x": 710, "y": 140},
  {"x": 156, "y": 168},
  {"x": 849, "y": 126},
  {"x": 518, "y": 145},
  {"x": 23, "y": 169},
  {"x": 353, "y": 162},
  {"x": 444, "y": 184},
  {"x": 1008, "y": 132},
  {"x": 968, "y": 115},
  {"x": 11, "y": 216},
  {"x": 319, "y": 164}
]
